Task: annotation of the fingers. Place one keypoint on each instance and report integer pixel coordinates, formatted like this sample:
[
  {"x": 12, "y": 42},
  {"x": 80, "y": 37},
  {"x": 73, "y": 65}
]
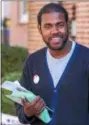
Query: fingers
[
  {"x": 27, "y": 106},
  {"x": 35, "y": 107},
  {"x": 40, "y": 109},
  {"x": 37, "y": 99},
  {"x": 40, "y": 105},
  {"x": 25, "y": 103}
]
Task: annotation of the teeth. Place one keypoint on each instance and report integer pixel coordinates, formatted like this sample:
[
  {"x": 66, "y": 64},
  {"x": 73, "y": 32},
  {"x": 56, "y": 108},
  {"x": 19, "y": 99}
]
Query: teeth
[{"x": 57, "y": 38}]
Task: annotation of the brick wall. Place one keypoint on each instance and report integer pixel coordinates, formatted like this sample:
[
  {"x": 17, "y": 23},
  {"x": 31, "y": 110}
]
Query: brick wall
[
  {"x": 82, "y": 18},
  {"x": 35, "y": 41},
  {"x": 69, "y": 6}
]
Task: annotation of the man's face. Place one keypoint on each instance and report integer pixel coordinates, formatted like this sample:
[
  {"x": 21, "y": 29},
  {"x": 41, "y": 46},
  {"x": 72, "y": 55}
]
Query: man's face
[{"x": 54, "y": 30}]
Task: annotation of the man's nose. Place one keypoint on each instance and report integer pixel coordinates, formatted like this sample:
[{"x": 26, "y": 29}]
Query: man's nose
[{"x": 55, "y": 30}]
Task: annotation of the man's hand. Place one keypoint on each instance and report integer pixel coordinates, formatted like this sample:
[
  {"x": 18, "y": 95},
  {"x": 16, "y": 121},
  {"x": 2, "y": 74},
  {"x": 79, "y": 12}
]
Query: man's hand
[{"x": 35, "y": 107}]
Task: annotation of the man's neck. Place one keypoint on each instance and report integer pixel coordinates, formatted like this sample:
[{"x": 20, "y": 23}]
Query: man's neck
[{"x": 63, "y": 52}]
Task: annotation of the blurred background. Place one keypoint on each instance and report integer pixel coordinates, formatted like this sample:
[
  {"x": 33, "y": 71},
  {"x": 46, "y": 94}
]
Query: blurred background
[{"x": 20, "y": 37}]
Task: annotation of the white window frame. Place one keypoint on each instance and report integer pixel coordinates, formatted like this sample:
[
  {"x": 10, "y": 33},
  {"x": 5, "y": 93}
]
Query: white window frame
[
  {"x": 23, "y": 15},
  {"x": 73, "y": 28}
]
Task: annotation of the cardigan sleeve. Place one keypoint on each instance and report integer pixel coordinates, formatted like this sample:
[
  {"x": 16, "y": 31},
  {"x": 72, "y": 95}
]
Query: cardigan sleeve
[
  {"x": 88, "y": 93},
  {"x": 26, "y": 83},
  {"x": 88, "y": 88}
]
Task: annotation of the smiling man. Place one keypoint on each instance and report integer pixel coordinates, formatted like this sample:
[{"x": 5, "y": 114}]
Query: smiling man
[{"x": 58, "y": 74}]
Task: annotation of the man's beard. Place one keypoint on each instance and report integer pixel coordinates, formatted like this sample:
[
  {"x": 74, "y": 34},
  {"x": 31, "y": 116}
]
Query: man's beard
[{"x": 57, "y": 48}]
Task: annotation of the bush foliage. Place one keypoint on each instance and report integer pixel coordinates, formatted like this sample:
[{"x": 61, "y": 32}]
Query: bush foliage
[
  {"x": 11, "y": 76},
  {"x": 12, "y": 58}
]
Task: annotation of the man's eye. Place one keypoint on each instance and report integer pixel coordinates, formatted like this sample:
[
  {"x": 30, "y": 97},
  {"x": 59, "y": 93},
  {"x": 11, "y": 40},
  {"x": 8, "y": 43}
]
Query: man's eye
[
  {"x": 47, "y": 26},
  {"x": 60, "y": 25}
]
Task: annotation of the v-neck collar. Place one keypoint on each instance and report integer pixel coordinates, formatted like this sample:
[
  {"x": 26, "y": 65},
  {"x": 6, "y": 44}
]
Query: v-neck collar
[{"x": 50, "y": 79}]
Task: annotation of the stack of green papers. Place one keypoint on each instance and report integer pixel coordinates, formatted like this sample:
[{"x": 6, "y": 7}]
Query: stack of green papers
[{"x": 15, "y": 92}]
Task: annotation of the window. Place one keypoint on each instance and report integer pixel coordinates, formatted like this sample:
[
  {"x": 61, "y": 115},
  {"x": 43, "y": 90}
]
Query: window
[
  {"x": 73, "y": 28},
  {"x": 23, "y": 11}
]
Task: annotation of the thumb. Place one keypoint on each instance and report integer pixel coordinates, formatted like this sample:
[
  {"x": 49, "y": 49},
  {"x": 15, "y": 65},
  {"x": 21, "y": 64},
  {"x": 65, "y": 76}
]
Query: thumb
[{"x": 23, "y": 100}]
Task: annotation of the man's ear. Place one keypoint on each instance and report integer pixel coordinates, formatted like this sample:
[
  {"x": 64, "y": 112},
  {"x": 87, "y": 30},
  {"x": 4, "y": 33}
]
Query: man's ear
[{"x": 39, "y": 28}]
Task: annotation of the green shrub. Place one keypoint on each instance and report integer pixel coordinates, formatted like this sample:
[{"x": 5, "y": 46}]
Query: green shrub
[
  {"x": 12, "y": 59},
  {"x": 12, "y": 76},
  {"x": 7, "y": 104}
]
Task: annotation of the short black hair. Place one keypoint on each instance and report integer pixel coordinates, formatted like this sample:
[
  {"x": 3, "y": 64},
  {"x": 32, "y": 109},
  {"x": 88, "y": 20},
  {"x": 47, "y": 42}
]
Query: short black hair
[{"x": 52, "y": 7}]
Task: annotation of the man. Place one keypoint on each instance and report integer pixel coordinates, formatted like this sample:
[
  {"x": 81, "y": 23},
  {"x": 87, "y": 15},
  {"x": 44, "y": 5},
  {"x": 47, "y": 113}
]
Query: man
[{"x": 58, "y": 74}]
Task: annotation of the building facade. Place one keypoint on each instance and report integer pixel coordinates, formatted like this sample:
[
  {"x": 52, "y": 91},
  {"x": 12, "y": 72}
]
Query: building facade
[
  {"x": 78, "y": 20},
  {"x": 18, "y": 28}
]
